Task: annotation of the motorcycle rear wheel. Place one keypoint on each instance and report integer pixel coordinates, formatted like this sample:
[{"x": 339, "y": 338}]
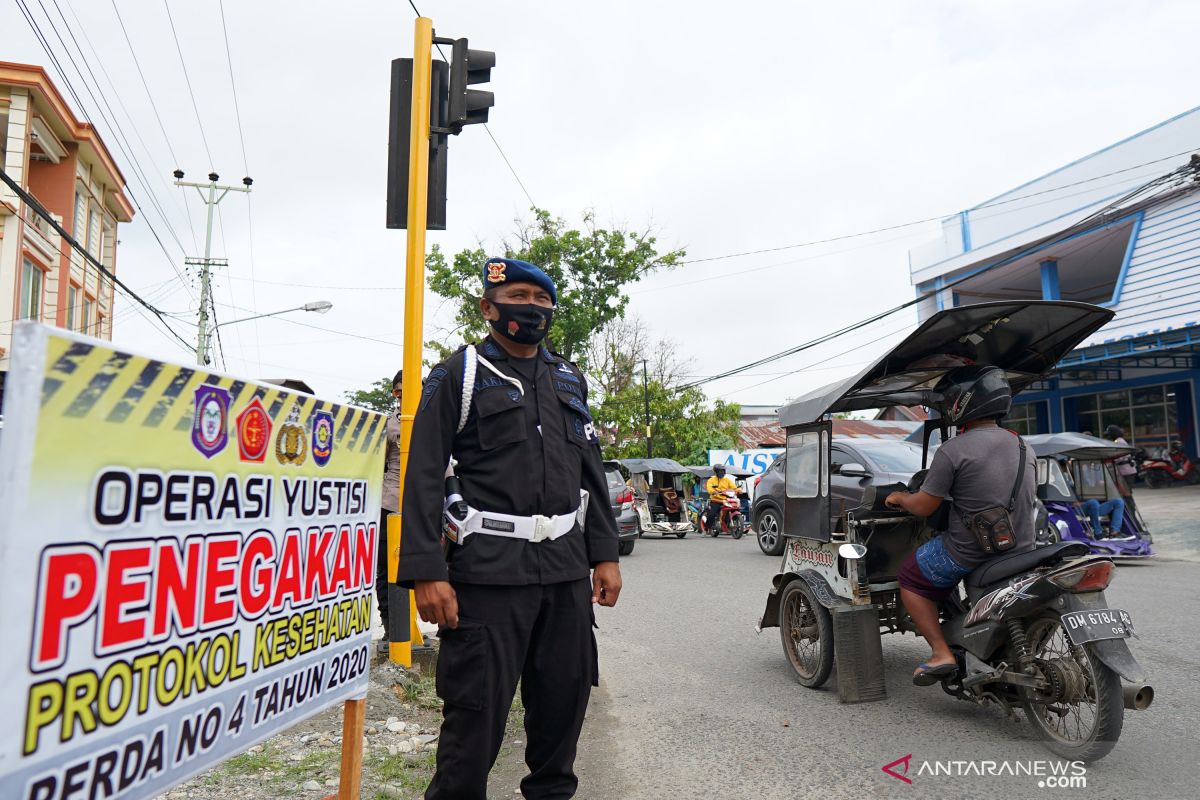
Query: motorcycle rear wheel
[
  {"x": 806, "y": 630},
  {"x": 1088, "y": 728}
]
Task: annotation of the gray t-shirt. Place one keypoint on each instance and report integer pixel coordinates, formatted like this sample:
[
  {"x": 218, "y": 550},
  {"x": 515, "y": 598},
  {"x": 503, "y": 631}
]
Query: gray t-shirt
[{"x": 977, "y": 469}]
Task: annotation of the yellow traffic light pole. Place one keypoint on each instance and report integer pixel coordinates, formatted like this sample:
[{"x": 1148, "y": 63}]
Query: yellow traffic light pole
[{"x": 414, "y": 293}]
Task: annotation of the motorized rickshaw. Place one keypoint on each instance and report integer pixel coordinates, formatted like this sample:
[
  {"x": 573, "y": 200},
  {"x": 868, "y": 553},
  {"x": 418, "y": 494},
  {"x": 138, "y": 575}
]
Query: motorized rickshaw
[
  {"x": 740, "y": 526},
  {"x": 1073, "y": 468},
  {"x": 658, "y": 496},
  {"x": 1032, "y": 630}
]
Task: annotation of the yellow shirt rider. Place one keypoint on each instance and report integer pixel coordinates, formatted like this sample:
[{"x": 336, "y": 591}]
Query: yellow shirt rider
[{"x": 716, "y": 487}]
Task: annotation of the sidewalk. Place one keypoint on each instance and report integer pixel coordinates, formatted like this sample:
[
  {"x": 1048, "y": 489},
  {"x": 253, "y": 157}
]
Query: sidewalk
[{"x": 1173, "y": 516}]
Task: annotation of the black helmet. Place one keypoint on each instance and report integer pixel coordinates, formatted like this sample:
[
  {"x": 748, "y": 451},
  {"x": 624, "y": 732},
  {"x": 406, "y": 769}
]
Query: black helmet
[
  {"x": 973, "y": 392},
  {"x": 1114, "y": 432},
  {"x": 719, "y": 470}
]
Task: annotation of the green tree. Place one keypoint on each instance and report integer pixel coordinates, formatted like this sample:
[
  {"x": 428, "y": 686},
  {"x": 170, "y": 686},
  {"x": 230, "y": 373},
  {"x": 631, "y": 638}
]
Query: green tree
[
  {"x": 592, "y": 268},
  {"x": 378, "y": 397},
  {"x": 683, "y": 424}
]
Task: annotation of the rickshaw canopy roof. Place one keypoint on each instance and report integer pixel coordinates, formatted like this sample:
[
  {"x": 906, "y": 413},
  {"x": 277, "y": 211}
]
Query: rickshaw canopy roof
[
  {"x": 1025, "y": 338},
  {"x": 636, "y": 465},
  {"x": 703, "y": 471},
  {"x": 1076, "y": 445}
]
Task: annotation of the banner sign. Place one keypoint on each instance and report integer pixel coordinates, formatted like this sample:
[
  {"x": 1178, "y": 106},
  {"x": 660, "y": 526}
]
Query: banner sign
[
  {"x": 754, "y": 461},
  {"x": 186, "y": 566}
]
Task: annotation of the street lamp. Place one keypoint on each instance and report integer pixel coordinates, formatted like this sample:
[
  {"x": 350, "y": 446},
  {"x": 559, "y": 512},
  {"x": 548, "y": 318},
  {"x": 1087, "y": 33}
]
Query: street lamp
[{"x": 319, "y": 306}]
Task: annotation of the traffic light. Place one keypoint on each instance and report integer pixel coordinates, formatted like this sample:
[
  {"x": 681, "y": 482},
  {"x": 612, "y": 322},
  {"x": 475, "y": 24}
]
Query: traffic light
[
  {"x": 400, "y": 118},
  {"x": 469, "y": 67}
]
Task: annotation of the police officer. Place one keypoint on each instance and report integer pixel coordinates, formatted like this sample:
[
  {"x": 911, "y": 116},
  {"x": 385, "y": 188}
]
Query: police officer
[
  {"x": 510, "y": 594},
  {"x": 390, "y": 505}
]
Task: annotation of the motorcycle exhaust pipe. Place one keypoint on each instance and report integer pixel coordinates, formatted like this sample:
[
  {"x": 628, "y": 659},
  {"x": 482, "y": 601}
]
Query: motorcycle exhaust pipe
[{"x": 1137, "y": 696}]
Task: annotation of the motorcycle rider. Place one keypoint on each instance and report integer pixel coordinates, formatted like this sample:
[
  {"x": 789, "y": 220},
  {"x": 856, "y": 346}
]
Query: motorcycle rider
[
  {"x": 978, "y": 469},
  {"x": 716, "y": 486}
]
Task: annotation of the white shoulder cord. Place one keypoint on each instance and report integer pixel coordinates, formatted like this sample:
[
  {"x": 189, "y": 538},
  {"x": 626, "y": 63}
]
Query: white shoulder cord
[{"x": 471, "y": 360}]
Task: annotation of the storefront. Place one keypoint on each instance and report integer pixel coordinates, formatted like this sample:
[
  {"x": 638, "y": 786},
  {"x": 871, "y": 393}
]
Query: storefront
[{"x": 1119, "y": 228}]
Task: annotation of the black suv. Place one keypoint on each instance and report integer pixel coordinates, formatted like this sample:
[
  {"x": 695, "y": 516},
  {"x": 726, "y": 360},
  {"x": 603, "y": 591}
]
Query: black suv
[{"x": 856, "y": 463}]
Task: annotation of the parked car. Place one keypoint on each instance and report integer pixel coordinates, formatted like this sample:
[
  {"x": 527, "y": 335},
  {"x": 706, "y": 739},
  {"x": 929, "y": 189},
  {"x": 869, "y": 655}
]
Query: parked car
[
  {"x": 620, "y": 497},
  {"x": 856, "y": 463}
]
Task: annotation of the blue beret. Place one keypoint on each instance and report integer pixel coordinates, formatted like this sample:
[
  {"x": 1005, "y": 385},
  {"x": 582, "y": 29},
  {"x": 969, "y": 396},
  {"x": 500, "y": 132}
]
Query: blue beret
[{"x": 498, "y": 271}]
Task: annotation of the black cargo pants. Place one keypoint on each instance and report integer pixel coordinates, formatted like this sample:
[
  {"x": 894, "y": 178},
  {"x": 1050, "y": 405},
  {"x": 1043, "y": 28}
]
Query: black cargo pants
[{"x": 541, "y": 635}]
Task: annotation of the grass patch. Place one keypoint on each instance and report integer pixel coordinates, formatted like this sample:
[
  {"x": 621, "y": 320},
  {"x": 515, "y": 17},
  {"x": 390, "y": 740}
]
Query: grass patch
[
  {"x": 247, "y": 763},
  {"x": 407, "y": 771},
  {"x": 421, "y": 691},
  {"x": 309, "y": 766}
]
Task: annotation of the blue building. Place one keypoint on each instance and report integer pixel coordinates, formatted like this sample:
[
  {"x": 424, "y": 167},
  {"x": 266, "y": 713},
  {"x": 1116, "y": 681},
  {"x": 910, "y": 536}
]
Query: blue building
[{"x": 1119, "y": 228}]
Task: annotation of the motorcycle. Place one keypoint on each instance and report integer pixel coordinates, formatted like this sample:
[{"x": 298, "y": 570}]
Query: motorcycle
[
  {"x": 1032, "y": 630},
  {"x": 732, "y": 521},
  {"x": 1175, "y": 467}
]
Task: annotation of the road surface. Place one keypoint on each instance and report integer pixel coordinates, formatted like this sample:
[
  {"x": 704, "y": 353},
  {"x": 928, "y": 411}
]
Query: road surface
[{"x": 694, "y": 703}]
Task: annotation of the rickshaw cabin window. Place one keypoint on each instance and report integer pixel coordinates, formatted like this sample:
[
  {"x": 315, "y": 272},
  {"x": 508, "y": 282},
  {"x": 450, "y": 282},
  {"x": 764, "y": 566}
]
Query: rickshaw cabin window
[{"x": 804, "y": 466}]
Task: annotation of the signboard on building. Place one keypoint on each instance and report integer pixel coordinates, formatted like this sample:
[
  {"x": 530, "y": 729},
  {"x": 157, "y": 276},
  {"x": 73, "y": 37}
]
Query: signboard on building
[
  {"x": 756, "y": 461},
  {"x": 186, "y": 566}
]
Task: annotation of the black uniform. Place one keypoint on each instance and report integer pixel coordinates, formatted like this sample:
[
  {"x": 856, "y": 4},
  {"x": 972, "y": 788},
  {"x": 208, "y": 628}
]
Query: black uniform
[{"x": 524, "y": 609}]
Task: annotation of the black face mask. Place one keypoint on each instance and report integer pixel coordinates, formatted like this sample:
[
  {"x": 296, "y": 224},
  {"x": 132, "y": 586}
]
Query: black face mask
[{"x": 524, "y": 323}]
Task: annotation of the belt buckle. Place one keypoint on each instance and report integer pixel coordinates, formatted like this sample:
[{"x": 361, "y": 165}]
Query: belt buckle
[{"x": 543, "y": 528}]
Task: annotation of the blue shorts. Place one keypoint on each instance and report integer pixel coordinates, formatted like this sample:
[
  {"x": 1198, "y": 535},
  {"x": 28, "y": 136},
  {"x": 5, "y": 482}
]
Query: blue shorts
[{"x": 930, "y": 571}]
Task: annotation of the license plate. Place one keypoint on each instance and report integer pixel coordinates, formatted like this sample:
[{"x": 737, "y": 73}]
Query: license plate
[{"x": 1091, "y": 626}]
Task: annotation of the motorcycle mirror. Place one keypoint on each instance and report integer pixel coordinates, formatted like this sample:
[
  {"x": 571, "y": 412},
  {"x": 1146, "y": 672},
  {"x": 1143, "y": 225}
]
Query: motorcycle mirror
[{"x": 852, "y": 551}]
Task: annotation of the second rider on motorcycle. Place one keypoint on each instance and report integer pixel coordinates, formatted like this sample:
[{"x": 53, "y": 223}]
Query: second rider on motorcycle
[{"x": 979, "y": 469}]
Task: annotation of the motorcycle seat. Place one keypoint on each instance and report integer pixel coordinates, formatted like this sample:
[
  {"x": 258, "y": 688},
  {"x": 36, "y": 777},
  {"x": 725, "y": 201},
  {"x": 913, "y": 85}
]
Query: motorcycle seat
[{"x": 1005, "y": 566}]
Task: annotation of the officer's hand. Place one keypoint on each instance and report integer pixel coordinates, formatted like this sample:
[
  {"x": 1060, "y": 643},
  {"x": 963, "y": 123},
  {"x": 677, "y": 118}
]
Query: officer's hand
[
  {"x": 437, "y": 602},
  {"x": 606, "y": 583},
  {"x": 893, "y": 500}
]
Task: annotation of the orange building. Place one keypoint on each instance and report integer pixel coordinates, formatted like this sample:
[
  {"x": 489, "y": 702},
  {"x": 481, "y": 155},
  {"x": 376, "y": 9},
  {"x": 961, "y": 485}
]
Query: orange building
[{"x": 62, "y": 162}]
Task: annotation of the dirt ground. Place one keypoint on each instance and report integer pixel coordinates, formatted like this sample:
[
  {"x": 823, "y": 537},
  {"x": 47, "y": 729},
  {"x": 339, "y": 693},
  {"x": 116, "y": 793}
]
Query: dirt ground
[{"x": 399, "y": 750}]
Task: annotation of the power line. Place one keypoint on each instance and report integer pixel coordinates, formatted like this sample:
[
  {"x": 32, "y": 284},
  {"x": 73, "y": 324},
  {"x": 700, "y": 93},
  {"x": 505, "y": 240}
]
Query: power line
[
  {"x": 102, "y": 103},
  {"x": 129, "y": 118},
  {"x": 32, "y": 202},
  {"x": 45, "y": 44},
  {"x": 937, "y": 218},
  {"x": 1032, "y": 247},
  {"x": 246, "y": 165},
  {"x": 188, "y": 81}
]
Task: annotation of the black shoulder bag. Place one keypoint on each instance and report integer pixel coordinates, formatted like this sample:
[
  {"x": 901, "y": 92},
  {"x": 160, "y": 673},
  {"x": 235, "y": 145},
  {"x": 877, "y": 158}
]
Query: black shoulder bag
[{"x": 993, "y": 527}]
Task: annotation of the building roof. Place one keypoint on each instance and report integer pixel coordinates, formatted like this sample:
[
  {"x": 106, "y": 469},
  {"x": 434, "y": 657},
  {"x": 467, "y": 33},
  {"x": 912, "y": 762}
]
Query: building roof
[
  {"x": 910, "y": 413},
  {"x": 753, "y": 437},
  {"x": 50, "y": 105},
  {"x": 1058, "y": 200}
]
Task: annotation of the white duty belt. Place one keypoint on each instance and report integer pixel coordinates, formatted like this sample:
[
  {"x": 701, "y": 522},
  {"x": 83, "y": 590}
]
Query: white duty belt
[{"x": 537, "y": 528}]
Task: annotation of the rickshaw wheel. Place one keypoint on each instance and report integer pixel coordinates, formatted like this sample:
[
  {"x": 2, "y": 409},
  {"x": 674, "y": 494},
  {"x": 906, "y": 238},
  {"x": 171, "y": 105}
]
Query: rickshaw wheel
[{"x": 806, "y": 629}]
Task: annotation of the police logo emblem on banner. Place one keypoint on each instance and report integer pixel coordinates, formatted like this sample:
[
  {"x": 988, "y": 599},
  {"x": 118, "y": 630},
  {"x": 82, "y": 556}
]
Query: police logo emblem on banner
[
  {"x": 254, "y": 432},
  {"x": 322, "y": 437},
  {"x": 290, "y": 447},
  {"x": 210, "y": 422}
]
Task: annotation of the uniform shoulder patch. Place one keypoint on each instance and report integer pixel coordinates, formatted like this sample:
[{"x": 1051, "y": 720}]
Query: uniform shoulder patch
[{"x": 432, "y": 383}]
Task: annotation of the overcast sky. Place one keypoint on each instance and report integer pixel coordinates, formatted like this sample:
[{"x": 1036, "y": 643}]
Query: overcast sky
[{"x": 724, "y": 127}]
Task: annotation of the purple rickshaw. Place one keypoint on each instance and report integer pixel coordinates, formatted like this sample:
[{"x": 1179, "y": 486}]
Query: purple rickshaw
[{"x": 1078, "y": 485}]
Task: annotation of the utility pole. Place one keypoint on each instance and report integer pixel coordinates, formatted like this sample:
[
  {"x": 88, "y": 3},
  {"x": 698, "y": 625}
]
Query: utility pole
[
  {"x": 646, "y": 400},
  {"x": 208, "y": 193}
]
